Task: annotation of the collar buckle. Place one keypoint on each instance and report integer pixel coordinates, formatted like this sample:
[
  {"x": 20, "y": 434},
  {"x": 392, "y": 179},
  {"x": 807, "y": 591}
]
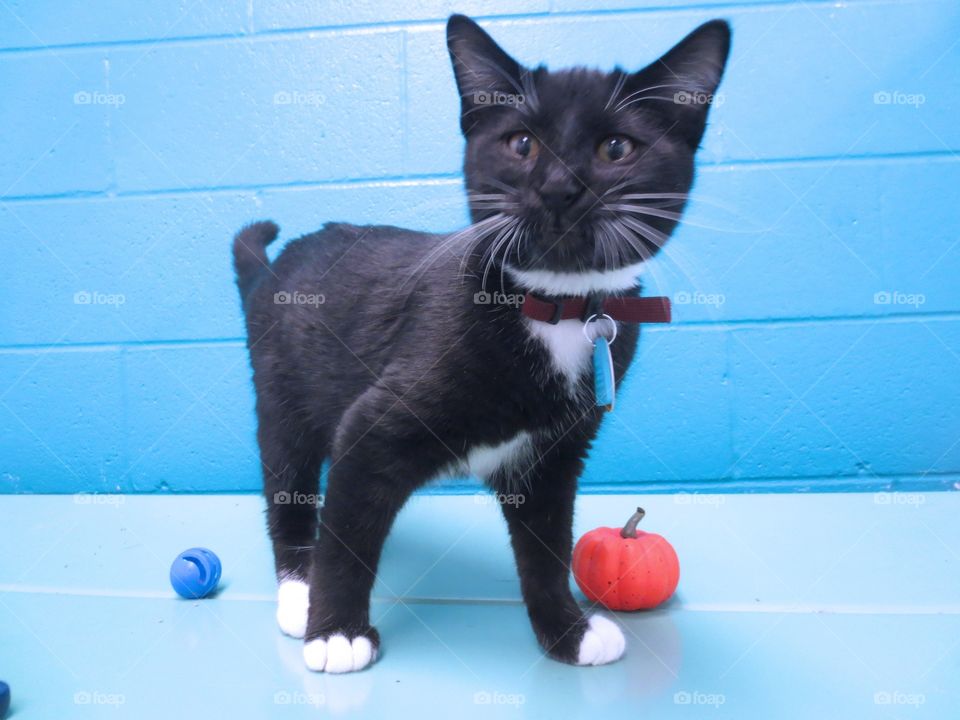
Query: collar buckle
[
  {"x": 592, "y": 305},
  {"x": 557, "y": 312}
]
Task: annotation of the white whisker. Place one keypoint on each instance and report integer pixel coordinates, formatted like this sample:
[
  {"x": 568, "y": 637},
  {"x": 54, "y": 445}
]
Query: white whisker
[
  {"x": 628, "y": 100},
  {"x": 472, "y": 235},
  {"x": 644, "y": 210},
  {"x": 621, "y": 80},
  {"x": 649, "y": 232},
  {"x": 492, "y": 251}
]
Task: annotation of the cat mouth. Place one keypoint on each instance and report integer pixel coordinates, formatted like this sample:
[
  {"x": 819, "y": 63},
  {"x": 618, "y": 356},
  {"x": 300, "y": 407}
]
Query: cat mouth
[
  {"x": 592, "y": 242},
  {"x": 561, "y": 227}
]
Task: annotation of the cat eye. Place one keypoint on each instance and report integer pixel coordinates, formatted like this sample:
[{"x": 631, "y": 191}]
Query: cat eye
[
  {"x": 615, "y": 148},
  {"x": 524, "y": 145}
]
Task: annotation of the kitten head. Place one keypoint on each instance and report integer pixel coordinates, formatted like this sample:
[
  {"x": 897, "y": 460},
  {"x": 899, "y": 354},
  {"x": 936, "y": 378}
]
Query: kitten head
[{"x": 578, "y": 169}]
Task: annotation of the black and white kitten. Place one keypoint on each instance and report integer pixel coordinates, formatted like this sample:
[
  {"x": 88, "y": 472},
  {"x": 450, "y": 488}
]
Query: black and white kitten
[{"x": 369, "y": 347}]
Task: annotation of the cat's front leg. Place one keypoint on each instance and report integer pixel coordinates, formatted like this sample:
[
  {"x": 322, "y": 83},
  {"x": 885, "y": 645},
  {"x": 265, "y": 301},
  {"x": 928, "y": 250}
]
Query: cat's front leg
[
  {"x": 540, "y": 519},
  {"x": 381, "y": 454},
  {"x": 359, "y": 507}
]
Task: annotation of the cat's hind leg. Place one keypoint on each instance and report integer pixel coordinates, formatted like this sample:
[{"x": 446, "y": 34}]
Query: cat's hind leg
[{"x": 290, "y": 458}]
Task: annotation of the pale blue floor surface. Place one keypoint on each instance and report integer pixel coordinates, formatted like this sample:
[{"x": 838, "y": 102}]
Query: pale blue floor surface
[{"x": 790, "y": 606}]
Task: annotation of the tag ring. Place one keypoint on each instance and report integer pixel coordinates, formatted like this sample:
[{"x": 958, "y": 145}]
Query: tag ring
[{"x": 601, "y": 316}]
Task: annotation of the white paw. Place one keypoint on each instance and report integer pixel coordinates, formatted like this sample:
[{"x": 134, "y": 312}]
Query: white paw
[
  {"x": 293, "y": 602},
  {"x": 337, "y": 654},
  {"x": 602, "y": 643}
]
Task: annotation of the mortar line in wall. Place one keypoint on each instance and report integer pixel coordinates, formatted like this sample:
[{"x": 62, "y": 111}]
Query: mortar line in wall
[
  {"x": 337, "y": 184},
  {"x": 435, "y": 23},
  {"x": 404, "y": 103},
  {"x": 113, "y": 178},
  {"x": 785, "y": 162},
  {"x": 676, "y": 326},
  {"x": 456, "y": 178},
  {"x": 93, "y": 346},
  {"x": 124, "y": 410},
  {"x": 732, "y": 424},
  {"x": 801, "y": 320}
]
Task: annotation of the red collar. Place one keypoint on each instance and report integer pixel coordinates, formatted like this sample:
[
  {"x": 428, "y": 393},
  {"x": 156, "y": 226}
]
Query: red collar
[{"x": 625, "y": 309}]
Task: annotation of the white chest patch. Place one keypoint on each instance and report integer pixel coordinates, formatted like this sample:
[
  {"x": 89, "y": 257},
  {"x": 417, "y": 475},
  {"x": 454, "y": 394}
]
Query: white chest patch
[
  {"x": 569, "y": 349},
  {"x": 516, "y": 454},
  {"x": 485, "y": 460}
]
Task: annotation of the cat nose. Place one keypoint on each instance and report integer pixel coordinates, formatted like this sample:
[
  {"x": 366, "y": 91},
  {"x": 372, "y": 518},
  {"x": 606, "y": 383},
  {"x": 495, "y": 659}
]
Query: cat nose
[{"x": 559, "y": 193}]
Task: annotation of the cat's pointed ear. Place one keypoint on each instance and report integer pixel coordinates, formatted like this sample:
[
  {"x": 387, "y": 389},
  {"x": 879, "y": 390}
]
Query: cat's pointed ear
[
  {"x": 482, "y": 69},
  {"x": 686, "y": 78}
]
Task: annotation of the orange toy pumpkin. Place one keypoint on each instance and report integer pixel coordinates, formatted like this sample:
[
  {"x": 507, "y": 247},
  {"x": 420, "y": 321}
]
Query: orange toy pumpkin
[{"x": 626, "y": 569}]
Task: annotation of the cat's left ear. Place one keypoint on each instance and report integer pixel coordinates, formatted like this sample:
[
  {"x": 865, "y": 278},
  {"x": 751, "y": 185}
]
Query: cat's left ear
[
  {"x": 686, "y": 78},
  {"x": 482, "y": 69}
]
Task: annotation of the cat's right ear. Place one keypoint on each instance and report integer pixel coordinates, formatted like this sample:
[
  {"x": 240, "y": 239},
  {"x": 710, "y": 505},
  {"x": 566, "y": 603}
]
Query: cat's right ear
[
  {"x": 482, "y": 69},
  {"x": 687, "y": 76}
]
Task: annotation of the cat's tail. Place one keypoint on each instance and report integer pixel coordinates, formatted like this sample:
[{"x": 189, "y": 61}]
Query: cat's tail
[{"x": 250, "y": 255}]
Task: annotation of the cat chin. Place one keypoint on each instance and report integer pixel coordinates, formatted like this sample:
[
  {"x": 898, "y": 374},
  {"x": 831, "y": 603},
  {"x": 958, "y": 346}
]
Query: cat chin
[{"x": 551, "y": 282}]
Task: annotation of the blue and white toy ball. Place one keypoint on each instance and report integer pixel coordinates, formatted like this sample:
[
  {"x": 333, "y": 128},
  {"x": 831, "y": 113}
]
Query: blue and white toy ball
[
  {"x": 4, "y": 699},
  {"x": 195, "y": 573}
]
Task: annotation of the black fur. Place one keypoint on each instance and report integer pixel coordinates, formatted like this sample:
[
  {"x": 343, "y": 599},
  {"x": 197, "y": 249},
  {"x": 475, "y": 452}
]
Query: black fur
[{"x": 368, "y": 347}]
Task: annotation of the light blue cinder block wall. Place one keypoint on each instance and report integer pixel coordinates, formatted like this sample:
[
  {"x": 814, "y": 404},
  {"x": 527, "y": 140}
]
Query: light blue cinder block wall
[{"x": 817, "y": 335}]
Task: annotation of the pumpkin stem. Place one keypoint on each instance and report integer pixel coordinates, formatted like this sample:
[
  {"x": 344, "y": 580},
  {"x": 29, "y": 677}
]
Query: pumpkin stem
[{"x": 630, "y": 529}]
